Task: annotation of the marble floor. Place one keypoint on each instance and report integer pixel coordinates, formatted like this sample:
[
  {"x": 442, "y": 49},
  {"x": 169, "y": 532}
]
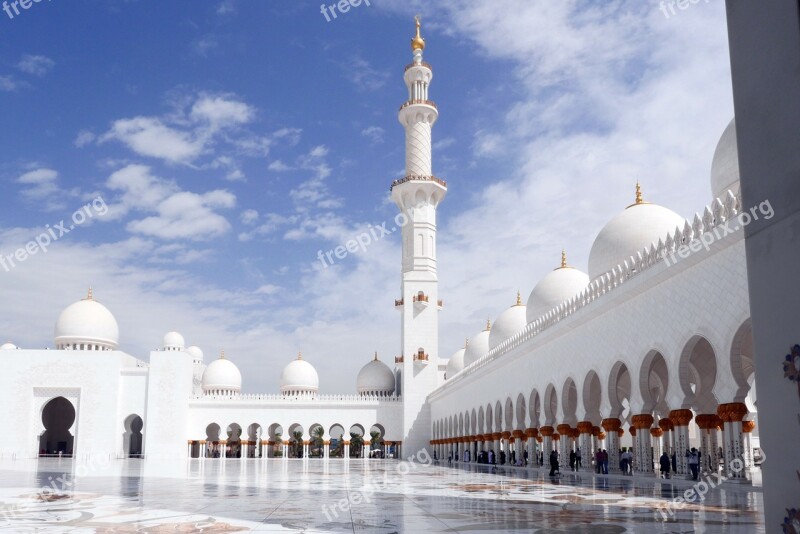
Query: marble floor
[{"x": 385, "y": 496}]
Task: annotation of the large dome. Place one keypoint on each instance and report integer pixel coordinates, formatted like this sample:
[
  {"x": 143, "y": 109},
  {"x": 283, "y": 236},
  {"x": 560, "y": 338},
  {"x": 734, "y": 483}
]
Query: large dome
[
  {"x": 456, "y": 362},
  {"x": 86, "y": 325},
  {"x": 196, "y": 353},
  {"x": 638, "y": 226},
  {"x": 8, "y": 346},
  {"x": 375, "y": 378},
  {"x": 725, "y": 167},
  {"x": 222, "y": 377},
  {"x": 478, "y": 346},
  {"x": 299, "y": 377},
  {"x": 552, "y": 290},
  {"x": 509, "y": 323},
  {"x": 174, "y": 341}
]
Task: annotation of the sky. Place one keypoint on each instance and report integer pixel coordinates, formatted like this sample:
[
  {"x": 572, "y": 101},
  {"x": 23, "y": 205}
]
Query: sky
[{"x": 213, "y": 148}]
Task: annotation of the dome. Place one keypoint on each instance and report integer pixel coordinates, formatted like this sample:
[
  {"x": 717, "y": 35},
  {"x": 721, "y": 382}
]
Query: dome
[
  {"x": 222, "y": 377},
  {"x": 86, "y": 325},
  {"x": 174, "y": 341},
  {"x": 299, "y": 377},
  {"x": 509, "y": 323},
  {"x": 456, "y": 362},
  {"x": 375, "y": 378},
  {"x": 725, "y": 166},
  {"x": 638, "y": 226},
  {"x": 478, "y": 346},
  {"x": 195, "y": 353},
  {"x": 559, "y": 285},
  {"x": 8, "y": 346}
]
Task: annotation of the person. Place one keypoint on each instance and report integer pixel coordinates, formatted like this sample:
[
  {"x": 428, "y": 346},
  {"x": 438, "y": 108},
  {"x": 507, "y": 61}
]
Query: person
[
  {"x": 525, "y": 457},
  {"x": 491, "y": 457},
  {"x": 553, "y": 463},
  {"x": 674, "y": 462},
  {"x": 627, "y": 459},
  {"x": 604, "y": 460},
  {"x": 694, "y": 462},
  {"x": 450, "y": 458},
  {"x": 666, "y": 463},
  {"x": 623, "y": 462},
  {"x": 572, "y": 460},
  {"x": 513, "y": 457},
  {"x": 467, "y": 455},
  {"x": 598, "y": 461},
  {"x": 502, "y": 457},
  {"x": 578, "y": 463},
  {"x": 541, "y": 458}
]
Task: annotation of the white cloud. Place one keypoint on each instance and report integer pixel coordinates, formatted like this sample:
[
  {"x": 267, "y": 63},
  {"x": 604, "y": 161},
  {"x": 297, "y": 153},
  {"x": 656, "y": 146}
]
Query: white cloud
[
  {"x": 249, "y": 217},
  {"x": 84, "y": 138},
  {"x": 148, "y": 136},
  {"x": 7, "y": 83},
  {"x": 374, "y": 133},
  {"x": 226, "y": 7},
  {"x": 278, "y": 166},
  {"x": 268, "y": 289},
  {"x": 42, "y": 189},
  {"x": 36, "y": 65}
]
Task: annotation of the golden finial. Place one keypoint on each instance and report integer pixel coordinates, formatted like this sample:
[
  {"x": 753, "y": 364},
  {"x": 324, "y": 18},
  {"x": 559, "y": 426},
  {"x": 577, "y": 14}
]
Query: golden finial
[
  {"x": 466, "y": 343},
  {"x": 519, "y": 299},
  {"x": 488, "y": 324},
  {"x": 299, "y": 355},
  {"x": 376, "y": 356},
  {"x": 639, "y": 198},
  {"x": 222, "y": 354},
  {"x": 89, "y": 295},
  {"x": 418, "y": 43},
  {"x": 563, "y": 259}
]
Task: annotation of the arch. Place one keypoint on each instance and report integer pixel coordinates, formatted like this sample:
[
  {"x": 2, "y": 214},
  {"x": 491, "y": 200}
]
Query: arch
[
  {"x": 460, "y": 432},
  {"x": 653, "y": 384},
  {"x": 377, "y": 446},
  {"x": 742, "y": 366},
  {"x": 535, "y": 408},
  {"x": 336, "y": 435},
  {"x": 509, "y": 415},
  {"x": 316, "y": 442},
  {"x": 356, "y": 441},
  {"x": 234, "y": 445},
  {"x": 489, "y": 419},
  {"x": 473, "y": 422},
  {"x": 296, "y": 437},
  {"x": 698, "y": 374},
  {"x": 550, "y": 405},
  {"x": 58, "y": 416},
  {"x": 569, "y": 400},
  {"x": 132, "y": 437},
  {"x": 619, "y": 392},
  {"x": 521, "y": 410},
  {"x": 481, "y": 429},
  {"x": 498, "y": 417},
  {"x": 592, "y": 397}
]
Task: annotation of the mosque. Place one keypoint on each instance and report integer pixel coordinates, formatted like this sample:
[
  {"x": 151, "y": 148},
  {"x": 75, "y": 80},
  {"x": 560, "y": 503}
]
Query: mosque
[{"x": 651, "y": 349}]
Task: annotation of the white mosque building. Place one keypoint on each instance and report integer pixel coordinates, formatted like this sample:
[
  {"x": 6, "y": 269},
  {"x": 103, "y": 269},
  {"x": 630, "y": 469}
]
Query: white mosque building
[{"x": 651, "y": 349}]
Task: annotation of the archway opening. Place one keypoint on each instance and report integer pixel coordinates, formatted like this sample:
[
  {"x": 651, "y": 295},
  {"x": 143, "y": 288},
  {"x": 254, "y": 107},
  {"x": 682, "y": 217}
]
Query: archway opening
[
  {"x": 336, "y": 433},
  {"x": 132, "y": 438},
  {"x": 377, "y": 447},
  {"x": 356, "y": 441},
  {"x": 213, "y": 448},
  {"x": 254, "y": 449},
  {"x": 58, "y": 415},
  {"x": 316, "y": 446},
  {"x": 296, "y": 441},
  {"x": 275, "y": 449},
  {"x": 234, "y": 446}
]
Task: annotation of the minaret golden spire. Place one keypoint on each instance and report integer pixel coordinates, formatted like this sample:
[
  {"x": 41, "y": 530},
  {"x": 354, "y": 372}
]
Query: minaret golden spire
[
  {"x": 563, "y": 258},
  {"x": 488, "y": 324},
  {"x": 89, "y": 294},
  {"x": 519, "y": 299},
  {"x": 639, "y": 199},
  {"x": 222, "y": 354},
  {"x": 418, "y": 43},
  {"x": 466, "y": 343},
  {"x": 299, "y": 355}
]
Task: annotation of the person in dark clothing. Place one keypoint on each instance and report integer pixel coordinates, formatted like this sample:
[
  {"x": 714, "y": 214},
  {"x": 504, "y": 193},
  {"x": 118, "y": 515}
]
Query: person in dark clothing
[
  {"x": 525, "y": 457},
  {"x": 553, "y": 463},
  {"x": 604, "y": 458},
  {"x": 541, "y": 458},
  {"x": 666, "y": 463},
  {"x": 491, "y": 457},
  {"x": 572, "y": 460},
  {"x": 502, "y": 457},
  {"x": 674, "y": 462},
  {"x": 694, "y": 462}
]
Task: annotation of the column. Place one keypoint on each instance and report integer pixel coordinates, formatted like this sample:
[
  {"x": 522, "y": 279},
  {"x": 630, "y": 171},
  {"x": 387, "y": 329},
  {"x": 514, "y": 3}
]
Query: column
[
  {"x": 346, "y": 449},
  {"x": 203, "y": 449},
  {"x": 613, "y": 427},
  {"x": 285, "y": 449},
  {"x": 547, "y": 437},
  {"x": 519, "y": 441},
  {"x": 680, "y": 419},
  {"x": 642, "y": 451},
  {"x": 656, "y": 435},
  {"x": 747, "y": 429},
  {"x": 668, "y": 442},
  {"x": 563, "y": 446},
  {"x": 366, "y": 449},
  {"x": 496, "y": 445},
  {"x": 732, "y": 415},
  {"x": 531, "y": 433},
  {"x": 709, "y": 425},
  {"x": 585, "y": 444}
]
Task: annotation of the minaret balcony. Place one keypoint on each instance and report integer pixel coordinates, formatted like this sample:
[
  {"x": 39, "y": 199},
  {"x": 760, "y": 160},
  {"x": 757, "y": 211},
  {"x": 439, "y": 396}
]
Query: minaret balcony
[
  {"x": 421, "y": 357},
  {"x": 398, "y": 304},
  {"x": 418, "y": 178},
  {"x": 420, "y": 64},
  {"x": 399, "y": 359},
  {"x": 421, "y": 300},
  {"x": 430, "y": 103},
  {"x": 440, "y": 303}
]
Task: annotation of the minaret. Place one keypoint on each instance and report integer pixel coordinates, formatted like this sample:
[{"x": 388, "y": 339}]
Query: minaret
[{"x": 417, "y": 195}]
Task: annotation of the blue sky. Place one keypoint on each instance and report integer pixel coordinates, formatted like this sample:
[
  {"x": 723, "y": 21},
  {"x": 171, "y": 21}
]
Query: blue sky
[{"x": 232, "y": 140}]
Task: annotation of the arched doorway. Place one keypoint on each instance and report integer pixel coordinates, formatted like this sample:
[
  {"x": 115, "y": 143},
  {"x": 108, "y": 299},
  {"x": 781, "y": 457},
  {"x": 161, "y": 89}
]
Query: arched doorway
[
  {"x": 58, "y": 415},
  {"x": 132, "y": 441}
]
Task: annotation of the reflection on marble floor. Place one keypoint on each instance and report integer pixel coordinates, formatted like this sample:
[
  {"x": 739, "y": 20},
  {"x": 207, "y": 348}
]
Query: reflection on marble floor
[{"x": 356, "y": 496}]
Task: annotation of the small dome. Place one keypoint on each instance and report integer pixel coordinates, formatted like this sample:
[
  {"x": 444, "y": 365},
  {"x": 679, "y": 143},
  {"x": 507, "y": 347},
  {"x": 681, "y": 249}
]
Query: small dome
[
  {"x": 725, "y": 166},
  {"x": 299, "y": 377},
  {"x": 87, "y": 324},
  {"x": 222, "y": 377},
  {"x": 375, "y": 378},
  {"x": 552, "y": 290},
  {"x": 478, "y": 346},
  {"x": 173, "y": 341},
  {"x": 456, "y": 362},
  {"x": 8, "y": 346},
  {"x": 509, "y": 323},
  {"x": 196, "y": 354},
  {"x": 638, "y": 226}
]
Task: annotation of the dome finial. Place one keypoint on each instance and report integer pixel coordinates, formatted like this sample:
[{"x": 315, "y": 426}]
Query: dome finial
[
  {"x": 639, "y": 199},
  {"x": 488, "y": 324},
  {"x": 299, "y": 355},
  {"x": 519, "y": 299},
  {"x": 466, "y": 343},
  {"x": 222, "y": 354},
  {"x": 89, "y": 295},
  {"x": 418, "y": 43},
  {"x": 564, "y": 259},
  {"x": 376, "y": 356}
]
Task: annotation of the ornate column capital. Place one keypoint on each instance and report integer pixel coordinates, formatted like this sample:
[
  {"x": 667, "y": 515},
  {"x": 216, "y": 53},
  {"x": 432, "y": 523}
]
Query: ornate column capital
[
  {"x": 556, "y": 437},
  {"x": 656, "y": 432},
  {"x": 585, "y": 427},
  {"x": 732, "y": 412},
  {"x": 518, "y": 434},
  {"x": 611, "y": 424},
  {"x": 632, "y": 430},
  {"x": 708, "y": 421},
  {"x": 546, "y": 431},
  {"x": 532, "y": 432},
  {"x": 596, "y": 431},
  {"x": 666, "y": 424},
  {"x": 642, "y": 421},
  {"x": 505, "y": 435},
  {"x": 563, "y": 429},
  {"x": 748, "y": 426},
  {"x": 681, "y": 417}
]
